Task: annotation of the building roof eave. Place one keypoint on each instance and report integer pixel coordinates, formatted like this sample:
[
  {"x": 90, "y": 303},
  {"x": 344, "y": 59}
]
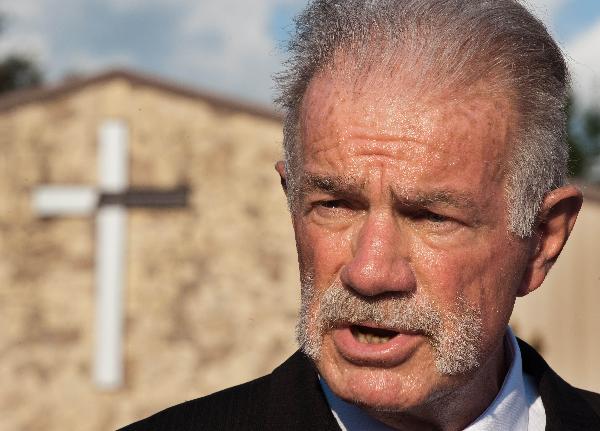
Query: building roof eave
[{"x": 19, "y": 98}]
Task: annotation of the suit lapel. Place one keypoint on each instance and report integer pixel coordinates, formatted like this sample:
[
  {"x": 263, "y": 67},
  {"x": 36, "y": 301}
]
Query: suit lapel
[
  {"x": 295, "y": 400},
  {"x": 565, "y": 408}
]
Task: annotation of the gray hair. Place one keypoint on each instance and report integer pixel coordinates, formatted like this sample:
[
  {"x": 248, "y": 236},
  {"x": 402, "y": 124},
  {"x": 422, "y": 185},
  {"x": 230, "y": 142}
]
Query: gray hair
[{"x": 497, "y": 42}]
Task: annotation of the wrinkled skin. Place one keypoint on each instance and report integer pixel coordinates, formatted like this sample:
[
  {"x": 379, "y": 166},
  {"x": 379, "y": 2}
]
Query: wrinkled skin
[{"x": 404, "y": 195}]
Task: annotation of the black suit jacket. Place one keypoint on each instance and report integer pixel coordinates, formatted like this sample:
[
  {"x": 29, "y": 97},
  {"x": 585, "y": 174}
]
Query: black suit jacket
[{"x": 291, "y": 399}]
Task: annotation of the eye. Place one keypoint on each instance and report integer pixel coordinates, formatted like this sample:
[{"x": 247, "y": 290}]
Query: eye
[
  {"x": 333, "y": 209},
  {"x": 332, "y": 204},
  {"x": 434, "y": 217}
]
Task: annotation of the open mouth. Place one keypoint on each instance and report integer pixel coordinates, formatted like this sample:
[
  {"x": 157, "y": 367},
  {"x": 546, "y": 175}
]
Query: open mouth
[{"x": 368, "y": 335}]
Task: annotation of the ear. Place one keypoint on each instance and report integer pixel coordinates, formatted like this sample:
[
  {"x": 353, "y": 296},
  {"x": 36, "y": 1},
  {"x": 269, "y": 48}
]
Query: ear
[
  {"x": 557, "y": 218},
  {"x": 280, "y": 168}
]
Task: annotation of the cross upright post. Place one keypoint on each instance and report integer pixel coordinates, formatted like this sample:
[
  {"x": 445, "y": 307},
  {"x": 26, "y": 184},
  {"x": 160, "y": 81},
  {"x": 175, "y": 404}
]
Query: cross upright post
[
  {"x": 111, "y": 230},
  {"x": 109, "y": 201}
]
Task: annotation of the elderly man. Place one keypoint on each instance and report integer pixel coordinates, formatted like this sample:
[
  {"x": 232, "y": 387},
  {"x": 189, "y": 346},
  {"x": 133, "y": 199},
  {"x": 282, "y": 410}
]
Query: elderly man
[{"x": 425, "y": 163}]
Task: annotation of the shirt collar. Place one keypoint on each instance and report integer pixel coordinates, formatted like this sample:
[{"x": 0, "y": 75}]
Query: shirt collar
[{"x": 509, "y": 410}]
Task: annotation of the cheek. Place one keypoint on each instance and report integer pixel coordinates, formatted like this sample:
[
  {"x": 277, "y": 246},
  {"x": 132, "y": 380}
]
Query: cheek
[
  {"x": 468, "y": 272},
  {"x": 321, "y": 252},
  {"x": 479, "y": 275}
]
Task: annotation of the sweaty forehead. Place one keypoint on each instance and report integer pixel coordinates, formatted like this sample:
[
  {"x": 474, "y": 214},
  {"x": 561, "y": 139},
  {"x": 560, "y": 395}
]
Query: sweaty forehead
[{"x": 386, "y": 113}]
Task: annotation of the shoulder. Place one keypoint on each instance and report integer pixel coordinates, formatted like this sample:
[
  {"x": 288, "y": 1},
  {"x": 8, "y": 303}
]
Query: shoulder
[
  {"x": 566, "y": 407},
  {"x": 238, "y": 407},
  {"x": 592, "y": 398},
  {"x": 536, "y": 366},
  {"x": 290, "y": 398}
]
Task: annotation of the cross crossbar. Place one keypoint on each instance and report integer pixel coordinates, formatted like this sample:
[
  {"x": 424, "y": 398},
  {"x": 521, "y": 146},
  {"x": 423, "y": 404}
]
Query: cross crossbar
[
  {"x": 147, "y": 198},
  {"x": 109, "y": 201}
]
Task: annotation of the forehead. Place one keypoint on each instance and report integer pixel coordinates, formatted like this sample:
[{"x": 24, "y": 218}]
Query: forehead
[{"x": 344, "y": 119}]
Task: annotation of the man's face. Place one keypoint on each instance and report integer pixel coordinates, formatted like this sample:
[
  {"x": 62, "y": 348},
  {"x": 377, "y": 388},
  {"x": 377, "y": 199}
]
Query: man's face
[{"x": 409, "y": 272}]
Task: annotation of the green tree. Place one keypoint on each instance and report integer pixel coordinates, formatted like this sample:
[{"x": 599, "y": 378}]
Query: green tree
[
  {"x": 576, "y": 154},
  {"x": 591, "y": 125},
  {"x": 17, "y": 71},
  {"x": 583, "y": 138}
]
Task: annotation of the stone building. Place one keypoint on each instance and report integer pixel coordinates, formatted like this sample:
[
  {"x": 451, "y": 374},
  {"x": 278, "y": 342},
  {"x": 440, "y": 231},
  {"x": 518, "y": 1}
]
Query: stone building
[{"x": 210, "y": 288}]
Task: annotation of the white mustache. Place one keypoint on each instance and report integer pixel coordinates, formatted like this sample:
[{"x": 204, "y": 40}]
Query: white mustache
[
  {"x": 398, "y": 312},
  {"x": 454, "y": 334}
]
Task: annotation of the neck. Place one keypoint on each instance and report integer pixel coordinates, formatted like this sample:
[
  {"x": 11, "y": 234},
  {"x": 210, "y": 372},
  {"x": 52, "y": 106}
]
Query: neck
[{"x": 455, "y": 409}]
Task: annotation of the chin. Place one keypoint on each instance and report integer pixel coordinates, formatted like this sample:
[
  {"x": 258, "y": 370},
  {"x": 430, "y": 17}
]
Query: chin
[{"x": 401, "y": 388}]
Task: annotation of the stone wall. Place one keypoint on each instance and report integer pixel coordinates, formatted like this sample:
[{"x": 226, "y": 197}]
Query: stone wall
[{"x": 212, "y": 289}]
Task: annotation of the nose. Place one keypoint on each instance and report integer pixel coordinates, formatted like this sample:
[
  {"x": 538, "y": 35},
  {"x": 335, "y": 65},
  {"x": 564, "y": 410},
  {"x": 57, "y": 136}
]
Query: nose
[{"x": 379, "y": 263}]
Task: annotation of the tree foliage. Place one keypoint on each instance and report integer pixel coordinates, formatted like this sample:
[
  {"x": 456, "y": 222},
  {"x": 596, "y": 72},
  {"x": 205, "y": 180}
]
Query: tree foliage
[
  {"x": 576, "y": 155},
  {"x": 591, "y": 125},
  {"x": 17, "y": 71},
  {"x": 583, "y": 138}
]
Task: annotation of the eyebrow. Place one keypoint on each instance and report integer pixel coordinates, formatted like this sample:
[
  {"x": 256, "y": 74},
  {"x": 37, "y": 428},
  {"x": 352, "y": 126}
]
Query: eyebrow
[
  {"x": 330, "y": 184},
  {"x": 346, "y": 185},
  {"x": 452, "y": 198}
]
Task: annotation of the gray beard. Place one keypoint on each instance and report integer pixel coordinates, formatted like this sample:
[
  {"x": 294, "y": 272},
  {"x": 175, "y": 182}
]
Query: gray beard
[{"x": 454, "y": 336}]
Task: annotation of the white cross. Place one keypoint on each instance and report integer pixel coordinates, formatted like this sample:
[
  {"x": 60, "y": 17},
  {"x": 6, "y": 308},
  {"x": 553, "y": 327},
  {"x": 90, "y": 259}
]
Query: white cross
[
  {"x": 111, "y": 225},
  {"x": 109, "y": 201}
]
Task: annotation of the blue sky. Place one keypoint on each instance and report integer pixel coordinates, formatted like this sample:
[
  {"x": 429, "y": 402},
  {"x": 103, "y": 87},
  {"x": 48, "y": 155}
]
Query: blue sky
[
  {"x": 224, "y": 46},
  {"x": 576, "y": 15}
]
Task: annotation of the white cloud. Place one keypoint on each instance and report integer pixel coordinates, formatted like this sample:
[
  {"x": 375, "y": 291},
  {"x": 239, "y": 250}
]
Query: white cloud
[
  {"x": 546, "y": 10},
  {"x": 85, "y": 62},
  {"x": 585, "y": 64},
  {"x": 229, "y": 43},
  {"x": 221, "y": 45},
  {"x": 31, "y": 29},
  {"x": 132, "y": 5},
  {"x": 21, "y": 10},
  {"x": 21, "y": 29},
  {"x": 225, "y": 45},
  {"x": 581, "y": 51},
  {"x": 24, "y": 43}
]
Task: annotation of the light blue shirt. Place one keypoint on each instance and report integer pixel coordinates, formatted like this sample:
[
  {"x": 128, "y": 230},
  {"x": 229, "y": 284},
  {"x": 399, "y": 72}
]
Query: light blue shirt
[{"x": 518, "y": 406}]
